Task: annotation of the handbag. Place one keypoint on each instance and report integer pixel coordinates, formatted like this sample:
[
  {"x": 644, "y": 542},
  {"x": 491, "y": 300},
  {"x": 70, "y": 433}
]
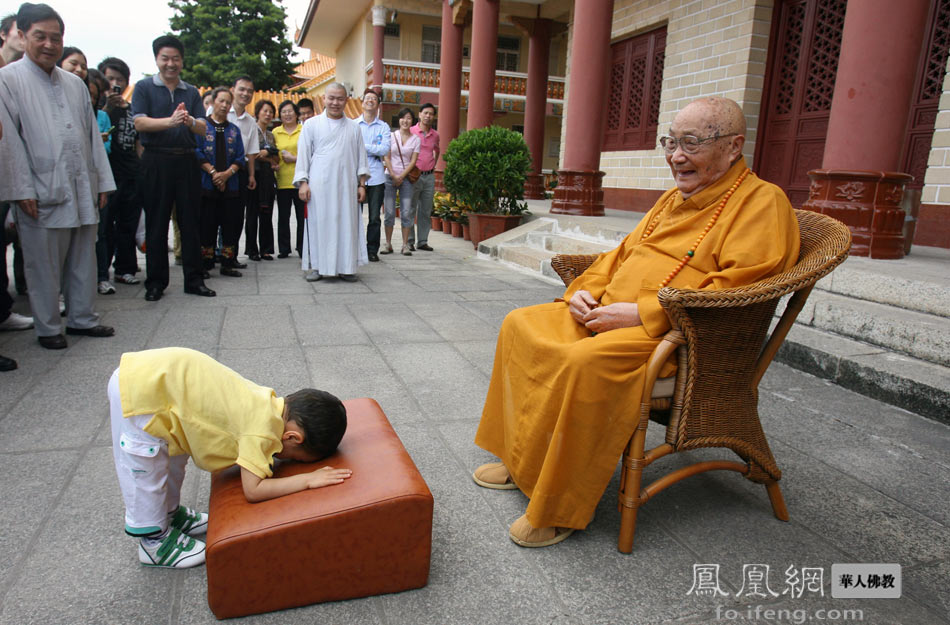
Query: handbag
[{"x": 415, "y": 172}]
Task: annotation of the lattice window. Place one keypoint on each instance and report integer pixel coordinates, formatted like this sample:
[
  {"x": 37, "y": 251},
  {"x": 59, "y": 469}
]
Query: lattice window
[
  {"x": 615, "y": 99},
  {"x": 823, "y": 65},
  {"x": 636, "y": 80},
  {"x": 791, "y": 50},
  {"x": 936, "y": 66}
]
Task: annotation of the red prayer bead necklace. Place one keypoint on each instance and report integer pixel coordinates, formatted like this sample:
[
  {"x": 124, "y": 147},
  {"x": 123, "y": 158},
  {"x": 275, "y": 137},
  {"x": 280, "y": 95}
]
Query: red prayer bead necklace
[{"x": 712, "y": 220}]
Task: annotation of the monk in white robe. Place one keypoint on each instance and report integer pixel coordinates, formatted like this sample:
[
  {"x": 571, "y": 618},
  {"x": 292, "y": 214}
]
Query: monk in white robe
[{"x": 330, "y": 175}]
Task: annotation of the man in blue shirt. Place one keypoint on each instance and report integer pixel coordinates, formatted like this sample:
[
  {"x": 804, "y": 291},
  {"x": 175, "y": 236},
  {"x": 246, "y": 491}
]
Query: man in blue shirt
[
  {"x": 376, "y": 138},
  {"x": 167, "y": 113}
]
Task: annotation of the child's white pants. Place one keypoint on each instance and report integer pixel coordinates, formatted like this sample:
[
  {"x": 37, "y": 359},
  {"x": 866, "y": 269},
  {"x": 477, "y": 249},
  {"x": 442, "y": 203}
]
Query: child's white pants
[{"x": 150, "y": 479}]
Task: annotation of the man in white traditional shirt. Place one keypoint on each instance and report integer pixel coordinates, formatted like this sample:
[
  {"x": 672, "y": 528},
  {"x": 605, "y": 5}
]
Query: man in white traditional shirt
[
  {"x": 330, "y": 175},
  {"x": 242, "y": 92},
  {"x": 60, "y": 178}
]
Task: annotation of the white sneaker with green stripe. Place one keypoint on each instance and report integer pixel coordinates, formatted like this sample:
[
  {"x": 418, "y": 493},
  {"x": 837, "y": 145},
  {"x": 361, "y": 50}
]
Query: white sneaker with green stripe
[
  {"x": 189, "y": 521},
  {"x": 175, "y": 551}
]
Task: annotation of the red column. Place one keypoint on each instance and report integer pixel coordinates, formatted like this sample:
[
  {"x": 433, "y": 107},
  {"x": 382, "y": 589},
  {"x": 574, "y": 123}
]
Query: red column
[
  {"x": 579, "y": 190},
  {"x": 450, "y": 83},
  {"x": 379, "y": 23},
  {"x": 536, "y": 103},
  {"x": 481, "y": 90},
  {"x": 858, "y": 184}
]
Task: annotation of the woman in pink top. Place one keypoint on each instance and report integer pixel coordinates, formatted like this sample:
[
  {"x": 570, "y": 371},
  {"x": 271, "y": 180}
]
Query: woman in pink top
[{"x": 404, "y": 150}]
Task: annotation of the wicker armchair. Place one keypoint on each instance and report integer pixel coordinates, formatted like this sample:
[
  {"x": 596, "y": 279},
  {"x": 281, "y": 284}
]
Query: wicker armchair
[{"x": 723, "y": 349}]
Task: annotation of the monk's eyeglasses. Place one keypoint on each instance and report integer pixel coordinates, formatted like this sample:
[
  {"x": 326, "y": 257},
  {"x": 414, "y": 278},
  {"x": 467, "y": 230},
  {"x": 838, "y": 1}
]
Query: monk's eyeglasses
[{"x": 689, "y": 143}]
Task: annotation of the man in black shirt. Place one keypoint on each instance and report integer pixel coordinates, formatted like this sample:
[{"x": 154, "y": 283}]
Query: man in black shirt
[
  {"x": 167, "y": 113},
  {"x": 120, "y": 218}
]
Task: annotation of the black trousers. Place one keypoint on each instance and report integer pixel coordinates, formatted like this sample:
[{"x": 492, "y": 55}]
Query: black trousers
[
  {"x": 171, "y": 180},
  {"x": 118, "y": 222},
  {"x": 217, "y": 210},
  {"x": 259, "y": 222},
  {"x": 374, "y": 199},
  {"x": 286, "y": 197}
]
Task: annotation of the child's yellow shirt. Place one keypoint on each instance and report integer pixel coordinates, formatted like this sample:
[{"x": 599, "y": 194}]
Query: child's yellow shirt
[{"x": 203, "y": 409}]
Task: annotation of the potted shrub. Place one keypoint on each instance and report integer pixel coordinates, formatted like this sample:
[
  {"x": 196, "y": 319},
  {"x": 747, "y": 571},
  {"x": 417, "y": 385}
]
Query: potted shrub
[
  {"x": 436, "y": 217},
  {"x": 485, "y": 171}
]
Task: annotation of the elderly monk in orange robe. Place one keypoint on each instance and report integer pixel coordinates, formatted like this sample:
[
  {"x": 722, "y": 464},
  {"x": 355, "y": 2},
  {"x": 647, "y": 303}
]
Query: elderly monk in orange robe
[{"x": 566, "y": 384}]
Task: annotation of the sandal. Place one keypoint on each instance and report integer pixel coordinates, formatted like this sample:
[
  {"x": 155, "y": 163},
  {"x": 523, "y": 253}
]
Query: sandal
[
  {"x": 523, "y": 533},
  {"x": 494, "y": 475}
]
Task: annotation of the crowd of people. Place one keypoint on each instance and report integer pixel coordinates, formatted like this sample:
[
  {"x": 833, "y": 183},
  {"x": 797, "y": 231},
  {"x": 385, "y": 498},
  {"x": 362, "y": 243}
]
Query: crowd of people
[{"x": 89, "y": 175}]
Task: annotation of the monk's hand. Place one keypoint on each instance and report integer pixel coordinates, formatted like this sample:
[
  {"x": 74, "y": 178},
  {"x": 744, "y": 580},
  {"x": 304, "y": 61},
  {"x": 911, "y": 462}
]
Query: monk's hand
[
  {"x": 303, "y": 191},
  {"x": 580, "y": 304},
  {"x": 327, "y": 476},
  {"x": 29, "y": 207},
  {"x": 612, "y": 317}
]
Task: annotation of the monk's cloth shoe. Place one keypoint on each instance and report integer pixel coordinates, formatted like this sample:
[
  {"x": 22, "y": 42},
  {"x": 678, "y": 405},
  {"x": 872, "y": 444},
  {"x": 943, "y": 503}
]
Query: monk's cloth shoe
[
  {"x": 494, "y": 475},
  {"x": 524, "y": 534}
]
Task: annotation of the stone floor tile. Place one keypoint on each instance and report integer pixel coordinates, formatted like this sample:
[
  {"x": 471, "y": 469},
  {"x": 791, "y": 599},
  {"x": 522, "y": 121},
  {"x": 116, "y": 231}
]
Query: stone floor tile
[
  {"x": 195, "y": 327},
  {"x": 327, "y": 324},
  {"x": 395, "y": 323},
  {"x": 62, "y": 409},
  {"x": 257, "y": 327}
]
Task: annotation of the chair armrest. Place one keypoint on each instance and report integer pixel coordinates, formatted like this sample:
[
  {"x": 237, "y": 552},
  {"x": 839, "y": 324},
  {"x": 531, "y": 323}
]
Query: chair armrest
[{"x": 569, "y": 266}]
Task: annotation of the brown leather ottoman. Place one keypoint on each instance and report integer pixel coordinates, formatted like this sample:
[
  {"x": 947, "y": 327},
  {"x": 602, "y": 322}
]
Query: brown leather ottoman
[{"x": 371, "y": 534}]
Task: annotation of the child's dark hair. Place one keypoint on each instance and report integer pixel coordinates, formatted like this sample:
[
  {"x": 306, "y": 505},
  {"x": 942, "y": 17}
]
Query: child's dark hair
[{"x": 322, "y": 418}]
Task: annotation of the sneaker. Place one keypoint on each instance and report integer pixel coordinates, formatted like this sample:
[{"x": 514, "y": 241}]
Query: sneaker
[
  {"x": 189, "y": 521},
  {"x": 127, "y": 278},
  {"x": 106, "y": 288},
  {"x": 386, "y": 248},
  {"x": 175, "y": 551},
  {"x": 16, "y": 321},
  {"x": 314, "y": 276}
]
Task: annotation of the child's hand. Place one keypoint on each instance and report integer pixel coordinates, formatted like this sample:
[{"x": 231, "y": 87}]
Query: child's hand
[{"x": 327, "y": 476}]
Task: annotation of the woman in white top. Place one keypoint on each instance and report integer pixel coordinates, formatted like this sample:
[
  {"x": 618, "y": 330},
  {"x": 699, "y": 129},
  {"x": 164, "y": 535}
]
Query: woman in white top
[{"x": 404, "y": 150}]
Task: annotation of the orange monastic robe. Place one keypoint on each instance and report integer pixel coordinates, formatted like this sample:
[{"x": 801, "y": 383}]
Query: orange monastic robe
[{"x": 562, "y": 404}]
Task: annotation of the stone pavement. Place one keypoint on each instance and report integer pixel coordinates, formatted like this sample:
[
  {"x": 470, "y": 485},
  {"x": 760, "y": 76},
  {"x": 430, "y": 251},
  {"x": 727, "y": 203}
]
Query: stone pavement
[{"x": 864, "y": 481}]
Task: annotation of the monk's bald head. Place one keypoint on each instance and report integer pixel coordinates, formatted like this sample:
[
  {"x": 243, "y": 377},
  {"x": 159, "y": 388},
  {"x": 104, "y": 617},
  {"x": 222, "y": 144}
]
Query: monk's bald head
[
  {"x": 715, "y": 115},
  {"x": 717, "y": 126}
]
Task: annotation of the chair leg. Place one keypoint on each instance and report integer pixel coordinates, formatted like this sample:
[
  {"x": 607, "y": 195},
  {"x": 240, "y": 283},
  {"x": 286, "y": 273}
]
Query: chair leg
[
  {"x": 629, "y": 503},
  {"x": 633, "y": 463},
  {"x": 778, "y": 502}
]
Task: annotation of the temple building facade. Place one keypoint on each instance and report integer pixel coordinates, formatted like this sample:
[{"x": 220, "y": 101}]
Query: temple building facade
[{"x": 848, "y": 103}]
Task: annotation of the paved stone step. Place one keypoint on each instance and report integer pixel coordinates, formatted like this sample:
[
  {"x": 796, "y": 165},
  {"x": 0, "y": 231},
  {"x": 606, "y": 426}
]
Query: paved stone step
[
  {"x": 910, "y": 383},
  {"x": 920, "y": 335},
  {"x": 563, "y": 244},
  {"x": 534, "y": 260},
  {"x": 590, "y": 228},
  {"x": 915, "y": 282}
]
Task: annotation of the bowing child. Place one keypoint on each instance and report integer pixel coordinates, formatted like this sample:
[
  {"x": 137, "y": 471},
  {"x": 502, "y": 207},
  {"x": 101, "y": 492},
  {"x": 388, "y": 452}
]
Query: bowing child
[{"x": 172, "y": 403}]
